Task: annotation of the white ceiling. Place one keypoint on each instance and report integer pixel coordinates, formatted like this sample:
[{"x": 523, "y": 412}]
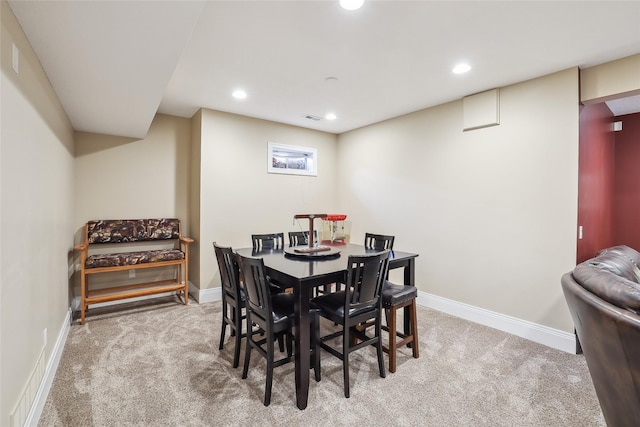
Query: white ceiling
[
  {"x": 622, "y": 106},
  {"x": 114, "y": 64}
]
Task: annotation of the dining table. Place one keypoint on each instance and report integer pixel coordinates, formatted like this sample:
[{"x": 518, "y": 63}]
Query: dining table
[{"x": 292, "y": 268}]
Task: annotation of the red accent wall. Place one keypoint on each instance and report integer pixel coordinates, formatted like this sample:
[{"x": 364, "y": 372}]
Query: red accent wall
[
  {"x": 627, "y": 182},
  {"x": 596, "y": 180}
]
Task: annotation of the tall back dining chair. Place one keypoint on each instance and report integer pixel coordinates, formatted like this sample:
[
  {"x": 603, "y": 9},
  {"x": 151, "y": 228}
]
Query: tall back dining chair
[
  {"x": 395, "y": 297},
  {"x": 274, "y": 315},
  {"x": 267, "y": 241},
  {"x": 378, "y": 242},
  {"x": 301, "y": 238},
  {"x": 233, "y": 298},
  {"x": 358, "y": 303}
]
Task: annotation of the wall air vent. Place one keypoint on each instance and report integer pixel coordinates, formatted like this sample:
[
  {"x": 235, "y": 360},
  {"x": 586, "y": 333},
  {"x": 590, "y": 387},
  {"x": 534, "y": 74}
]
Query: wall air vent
[
  {"x": 310, "y": 117},
  {"x": 617, "y": 126}
]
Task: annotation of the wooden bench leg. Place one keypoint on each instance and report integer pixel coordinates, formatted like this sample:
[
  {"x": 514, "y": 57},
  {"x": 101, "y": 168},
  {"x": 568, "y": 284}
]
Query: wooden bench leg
[
  {"x": 83, "y": 295},
  {"x": 186, "y": 280}
]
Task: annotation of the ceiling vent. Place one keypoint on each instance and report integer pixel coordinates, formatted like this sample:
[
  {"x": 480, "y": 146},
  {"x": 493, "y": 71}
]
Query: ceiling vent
[{"x": 310, "y": 117}]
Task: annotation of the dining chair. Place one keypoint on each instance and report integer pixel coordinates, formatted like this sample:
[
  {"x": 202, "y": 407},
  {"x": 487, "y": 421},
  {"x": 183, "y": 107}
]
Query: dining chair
[
  {"x": 268, "y": 241},
  {"x": 301, "y": 238},
  {"x": 378, "y": 242},
  {"x": 357, "y": 304},
  {"x": 233, "y": 298},
  {"x": 395, "y": 297},
  {"x": 273, "y": 314}
]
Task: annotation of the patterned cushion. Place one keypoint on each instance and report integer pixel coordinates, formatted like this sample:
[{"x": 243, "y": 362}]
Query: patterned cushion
[
  {"x": 132, "y": 230},
  {"x": 132, "y": 258}
]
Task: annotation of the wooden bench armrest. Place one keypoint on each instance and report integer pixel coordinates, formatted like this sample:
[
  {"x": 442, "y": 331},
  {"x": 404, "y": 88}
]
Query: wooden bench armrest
[
  {"x": 186, "y": 240},
  {"x": 81, "y": 247}
]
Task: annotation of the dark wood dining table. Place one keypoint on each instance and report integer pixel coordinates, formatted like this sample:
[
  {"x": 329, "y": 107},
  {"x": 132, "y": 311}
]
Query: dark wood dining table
[{"x": 302, "y": 274}]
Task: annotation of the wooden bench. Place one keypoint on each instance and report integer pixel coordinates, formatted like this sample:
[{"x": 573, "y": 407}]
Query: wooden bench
[{"x": 121, "y": 234}]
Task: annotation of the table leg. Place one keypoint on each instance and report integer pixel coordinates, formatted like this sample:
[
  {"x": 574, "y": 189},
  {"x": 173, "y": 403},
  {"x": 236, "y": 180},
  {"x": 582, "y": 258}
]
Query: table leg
[{"x": 302, "y": 345}]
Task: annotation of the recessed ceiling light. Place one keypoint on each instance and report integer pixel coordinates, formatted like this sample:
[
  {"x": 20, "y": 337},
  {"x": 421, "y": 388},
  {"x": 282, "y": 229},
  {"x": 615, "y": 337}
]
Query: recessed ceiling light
[
  {"x": 351, "y": 4},
  {"x": 330, "y": 116},
  {"x": 239, "y": 94},
  {"x": 461, "y": 68}
]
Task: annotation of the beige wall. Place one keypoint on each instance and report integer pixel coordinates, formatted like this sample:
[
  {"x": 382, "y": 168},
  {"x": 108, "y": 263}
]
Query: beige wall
[
  {"x": 492, "y": 212},
  {"x": 194, "y": 198},
  {"x": 237, "y": 195},
  {"x": 119, "y": 177},
  {"x": 610, "y": 80},
  {"x": 36, "y": 219}
]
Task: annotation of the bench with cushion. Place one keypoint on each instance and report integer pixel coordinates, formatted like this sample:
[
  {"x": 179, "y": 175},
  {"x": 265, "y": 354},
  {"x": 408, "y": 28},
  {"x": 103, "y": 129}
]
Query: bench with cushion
[{"x": 121, "y": 234}]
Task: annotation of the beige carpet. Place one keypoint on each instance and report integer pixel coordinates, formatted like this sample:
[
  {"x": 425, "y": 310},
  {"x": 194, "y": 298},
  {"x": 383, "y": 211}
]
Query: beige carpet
[{"x": 156, "y": 363}]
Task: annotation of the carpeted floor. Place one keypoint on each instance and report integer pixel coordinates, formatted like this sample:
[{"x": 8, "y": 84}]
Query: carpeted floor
[{"x": 157, "y": 363}]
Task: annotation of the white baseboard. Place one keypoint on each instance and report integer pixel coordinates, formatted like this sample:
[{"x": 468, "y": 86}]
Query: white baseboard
[
  {"x": 50, "y": 372},
  {"x": 545, "y": 335},
  {"x": 207, "y": 295}
]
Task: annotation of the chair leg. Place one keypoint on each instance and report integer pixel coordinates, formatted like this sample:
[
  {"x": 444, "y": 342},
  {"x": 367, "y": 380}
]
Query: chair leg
[
  {"x": 224, "y": 325},
  {"x": 414, "y": 329},
  {"x": 391, "y": 322},
  {"x": 247, "y": 355},
  {"x": 411, "y": 339},
  {"x": 232, "y": 332},
  {"x": 289, "y": 344},
  {"x": 315, "y": 329},
  {"x": 238, "y": 331},
  {"x": 379, "y": 348},
  {"x": 346, "y": 341},
  {"x": 267, "y": 388},
  {"x": 281, "y": 343}
]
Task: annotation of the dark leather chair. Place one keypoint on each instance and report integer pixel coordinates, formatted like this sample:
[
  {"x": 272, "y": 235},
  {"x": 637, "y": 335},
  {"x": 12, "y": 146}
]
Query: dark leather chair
[
  {"x": 273, "y": 314},
  {"x": 356, "y": 305},
  {"x": 396, "y": 297},
  {"x": 267, "y": 241},
  {"x": 233, "y": 299},
  {"x": 603, "y": 295}
]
